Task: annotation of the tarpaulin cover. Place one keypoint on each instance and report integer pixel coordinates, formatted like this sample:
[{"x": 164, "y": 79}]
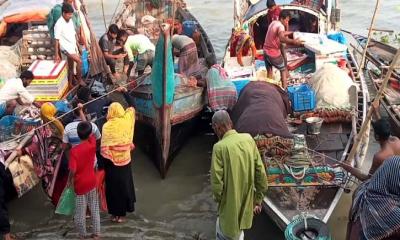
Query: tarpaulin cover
[
  {"x": 22, "y": 7},
  {"x": 23, "y": 11}
]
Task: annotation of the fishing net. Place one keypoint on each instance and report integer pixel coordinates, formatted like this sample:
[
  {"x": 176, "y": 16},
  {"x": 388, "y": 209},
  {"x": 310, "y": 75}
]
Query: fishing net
[
  {"x": 332, "y": 85},
  {"x": 9, "y": 61}
]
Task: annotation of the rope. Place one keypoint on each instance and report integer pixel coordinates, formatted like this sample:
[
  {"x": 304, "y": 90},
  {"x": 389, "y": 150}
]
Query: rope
[
  {"x": 65, "y": 114},
  {"x": 115, "y": 11},
  {"x": 333, "y": 159},
  {"x": 104, "y": 15}
]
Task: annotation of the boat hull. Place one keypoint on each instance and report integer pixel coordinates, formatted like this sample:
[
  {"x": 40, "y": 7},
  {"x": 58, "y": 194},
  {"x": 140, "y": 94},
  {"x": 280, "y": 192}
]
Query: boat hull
[{"x": 182, "y": 118}]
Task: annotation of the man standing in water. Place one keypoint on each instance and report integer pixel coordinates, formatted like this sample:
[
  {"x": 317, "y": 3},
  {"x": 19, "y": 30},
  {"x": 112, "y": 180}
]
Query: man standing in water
[
  {"x": 238, "y": 179},
  {"x": 273, "y": 55}
]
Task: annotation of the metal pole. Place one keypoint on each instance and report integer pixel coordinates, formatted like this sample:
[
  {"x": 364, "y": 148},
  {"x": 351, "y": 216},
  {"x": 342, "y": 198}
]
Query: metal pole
[{"x": 369, "y": 37}]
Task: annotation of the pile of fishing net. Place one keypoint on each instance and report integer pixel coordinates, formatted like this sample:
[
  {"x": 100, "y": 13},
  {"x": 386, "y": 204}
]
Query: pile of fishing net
[
  {"x": 9, "y": 61},
  {"x": 332, "y": 86},
  {"x": 288, "y": 163}
]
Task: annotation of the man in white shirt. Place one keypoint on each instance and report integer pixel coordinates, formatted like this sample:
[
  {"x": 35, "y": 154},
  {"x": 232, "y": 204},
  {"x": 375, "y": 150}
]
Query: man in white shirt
[
  {"x": 15, "y": 90},
  {"x": 66, "y": 42}
]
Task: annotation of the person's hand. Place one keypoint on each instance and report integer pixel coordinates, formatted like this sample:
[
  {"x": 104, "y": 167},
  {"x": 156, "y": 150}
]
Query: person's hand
[
  {"x": 192, "y": 81},
  {"x": 122, "y": 55},
  {"x": 375, "y": 105},
  {"x": 257, "y": 209},
  {"x": 19, "y": 152},
  {"x": 57, "y": 58},
  {"x": 80, "y": 106},
  {"x": 298, "y": 42},
  {"x": 122, "y": 89}
]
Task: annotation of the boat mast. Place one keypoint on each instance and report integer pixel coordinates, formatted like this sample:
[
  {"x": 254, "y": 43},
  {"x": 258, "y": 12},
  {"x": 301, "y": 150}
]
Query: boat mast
[{"x": 371, "y": 27}]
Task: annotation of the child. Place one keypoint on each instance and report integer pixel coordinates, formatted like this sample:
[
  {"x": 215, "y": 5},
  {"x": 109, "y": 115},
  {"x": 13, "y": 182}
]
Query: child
[{"x": 81, "y": 165}]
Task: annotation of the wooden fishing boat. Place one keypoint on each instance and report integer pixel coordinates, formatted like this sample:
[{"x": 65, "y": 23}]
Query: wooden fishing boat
[
  {"x": 25, "y": 28},
  {"x": 379, "y": 55},
  {"x": 285, "y": 201},
  {"x": 162, "y": 128}
]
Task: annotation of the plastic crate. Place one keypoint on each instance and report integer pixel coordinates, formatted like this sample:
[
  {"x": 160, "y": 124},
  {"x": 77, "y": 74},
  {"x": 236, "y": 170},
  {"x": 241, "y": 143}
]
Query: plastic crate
[{"x": 302, "y": 97}]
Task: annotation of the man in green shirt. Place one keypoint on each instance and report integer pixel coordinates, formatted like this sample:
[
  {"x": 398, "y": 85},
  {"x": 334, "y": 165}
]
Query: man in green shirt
[
  {"x": 56, "y": 13},
  {"x": 238, "y": 179}
]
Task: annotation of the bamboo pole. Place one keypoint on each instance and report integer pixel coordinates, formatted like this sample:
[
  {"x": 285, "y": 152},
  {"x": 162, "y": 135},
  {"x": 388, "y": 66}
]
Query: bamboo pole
[
  {"x": 369, "y": 37},
  {"x": 364, "y": 127}
]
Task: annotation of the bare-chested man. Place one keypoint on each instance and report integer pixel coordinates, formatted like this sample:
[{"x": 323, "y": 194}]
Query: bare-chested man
[{"x": 390, "y": 146}]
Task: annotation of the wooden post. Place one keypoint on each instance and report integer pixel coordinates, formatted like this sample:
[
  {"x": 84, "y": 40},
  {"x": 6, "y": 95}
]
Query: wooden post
[
  {"x": 369, "y": 37},
  {"x": 358, "y": 138}
]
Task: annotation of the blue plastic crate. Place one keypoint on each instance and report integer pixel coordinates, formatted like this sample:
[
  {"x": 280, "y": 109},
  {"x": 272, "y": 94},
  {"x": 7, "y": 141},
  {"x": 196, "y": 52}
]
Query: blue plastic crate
[
  {"x": 302, "y": 97},
  {"x": 189, "y": 27}
]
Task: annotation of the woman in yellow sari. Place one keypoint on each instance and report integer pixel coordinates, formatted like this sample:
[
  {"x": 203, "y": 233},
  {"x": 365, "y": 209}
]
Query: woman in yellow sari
[{"x": 116, "y": 147}]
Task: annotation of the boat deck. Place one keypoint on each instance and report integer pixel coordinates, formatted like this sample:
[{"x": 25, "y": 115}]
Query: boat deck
[{"x": 290, "y": 201}]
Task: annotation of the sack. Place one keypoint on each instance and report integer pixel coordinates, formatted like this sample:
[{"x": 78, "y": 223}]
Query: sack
[
  {"x": 66, "y": 205},
  {"x": 23, "y": 174},
  {"x": 101, "y": 189}
]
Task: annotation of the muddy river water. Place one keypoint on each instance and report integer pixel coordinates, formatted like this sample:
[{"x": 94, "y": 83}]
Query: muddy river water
[{"x": 181, "y": 207}]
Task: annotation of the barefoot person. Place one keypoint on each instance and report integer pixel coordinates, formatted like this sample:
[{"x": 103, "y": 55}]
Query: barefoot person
[
  {"x": 116, "y": 147},
  {"x": 107, "y": 45},
  {"x": 273, "y": 55},
  {"x": 66, "y": 43},
  {"x": 82, "y": 173},
  {"x": 139, "y": 46}
]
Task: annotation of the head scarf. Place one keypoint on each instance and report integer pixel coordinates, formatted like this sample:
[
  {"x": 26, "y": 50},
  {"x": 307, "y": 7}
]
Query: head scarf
[
  {"x": 48, "y": 112},
  {"x": 117, "y": 136}
]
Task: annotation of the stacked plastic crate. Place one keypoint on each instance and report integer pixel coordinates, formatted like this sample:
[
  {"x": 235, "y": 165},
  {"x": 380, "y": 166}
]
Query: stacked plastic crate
[{"x": 51, "y": 80}]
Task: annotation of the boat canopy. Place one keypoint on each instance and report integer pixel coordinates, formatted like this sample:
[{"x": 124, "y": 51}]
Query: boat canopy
[
  {"x": 24, "y": 11},
  {"x": 261, "y": 5}
]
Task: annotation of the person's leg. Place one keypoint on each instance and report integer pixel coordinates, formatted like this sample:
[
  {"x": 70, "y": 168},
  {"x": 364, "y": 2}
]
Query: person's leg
[
  {"x": 77, "y": 59},
  {"x": 70, "y": 62},
  {"x": 279, "y": 63},
  {"x": 80, "y": 215},
  {"x": 284, "y": 78},
  {"x": 111, "y": 63},
  {"x": 4, "y": 222},
  {"x": 268, "y": 66},
  {"x": 93, "y": 200},
  {"x": 141, "y": 63}
]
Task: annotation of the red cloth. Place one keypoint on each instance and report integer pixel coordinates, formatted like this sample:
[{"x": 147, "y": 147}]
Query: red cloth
[
  {"x": 81, "y": 162},
  {"x": 101, "y": 189},
  {"x": 272, "y": 44},
  {"x": 273, "y": 14}
]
